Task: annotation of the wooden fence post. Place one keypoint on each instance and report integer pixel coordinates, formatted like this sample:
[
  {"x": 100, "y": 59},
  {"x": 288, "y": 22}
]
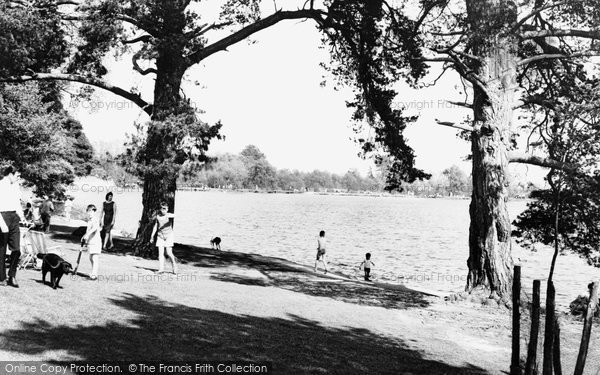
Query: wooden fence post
[
  {"x": 556, "y": 354},
  {"x": 587, "y": 329},
  {"x": 549, "y": 330},
  {"x": 515, "y": 363},
  {"x": 531, "y": 363}
]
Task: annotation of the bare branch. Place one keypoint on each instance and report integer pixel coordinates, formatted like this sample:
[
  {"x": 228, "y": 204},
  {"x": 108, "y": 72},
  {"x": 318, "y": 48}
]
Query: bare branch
[
  {"x": 135, "y": 98},
  {"x": 452, "y": 125},
  {"x": 205, "y": 28},
  {"x": 137, "y": 67},
  {"x": 251, "y": 29},
  {"x": 554, "y": 56},
  {"x": 434, "y": 59},
  {"x": 142, "y": 38},
  {"x": 460, "y": 104},
  {"x": 515, "y": 157},
  {"x": 534, "y": 13},
  {"x": 590, "y": 34},
  {"x": 467, "y": 73},
  {"x": 537, "y": 100}
]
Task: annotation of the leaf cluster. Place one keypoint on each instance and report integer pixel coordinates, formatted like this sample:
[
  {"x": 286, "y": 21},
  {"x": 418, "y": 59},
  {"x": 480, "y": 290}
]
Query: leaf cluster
[{"x": 372, "y": 47}]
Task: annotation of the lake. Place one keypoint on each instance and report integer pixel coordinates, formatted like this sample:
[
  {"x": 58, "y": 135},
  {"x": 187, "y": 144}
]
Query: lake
[{"x": 414, "y": 241}]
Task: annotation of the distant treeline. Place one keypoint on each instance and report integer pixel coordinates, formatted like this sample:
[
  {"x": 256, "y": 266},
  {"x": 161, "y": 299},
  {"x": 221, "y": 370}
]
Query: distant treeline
[{"x": 250, "y": 169}]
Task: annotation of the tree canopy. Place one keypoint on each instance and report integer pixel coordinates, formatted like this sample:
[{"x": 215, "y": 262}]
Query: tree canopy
[{"x": 46, "y": 146}]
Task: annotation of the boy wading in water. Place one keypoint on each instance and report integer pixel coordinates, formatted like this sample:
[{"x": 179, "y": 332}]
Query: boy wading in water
[
  {"x": 163, "y": 228},
  {"x": 367, "y": 264},
  {"x": 321, "y": 251}
]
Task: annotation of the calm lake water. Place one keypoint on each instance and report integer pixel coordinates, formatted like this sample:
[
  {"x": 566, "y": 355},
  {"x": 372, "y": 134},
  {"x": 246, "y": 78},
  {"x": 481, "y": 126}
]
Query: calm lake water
[{"x": 418, "y": 242}]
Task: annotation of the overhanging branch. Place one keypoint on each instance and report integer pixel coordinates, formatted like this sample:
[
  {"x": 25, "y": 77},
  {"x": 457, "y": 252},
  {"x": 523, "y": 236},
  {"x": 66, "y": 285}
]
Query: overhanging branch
[
  {"x": 135, "y": 98},
  {"x": 550, "y": 56},
  {"x": 251, "y": 29},
  {"x": 515, "y": 157},
  {"x": 452, "y": 125},
  {"x": 590, "y": 34}
]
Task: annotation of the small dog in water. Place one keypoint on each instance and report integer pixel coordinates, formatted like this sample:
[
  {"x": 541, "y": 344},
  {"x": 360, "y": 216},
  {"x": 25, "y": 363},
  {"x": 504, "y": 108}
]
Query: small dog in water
[
  {"x": 57, "y": 267},
  {"x": 216, "y": 243}
]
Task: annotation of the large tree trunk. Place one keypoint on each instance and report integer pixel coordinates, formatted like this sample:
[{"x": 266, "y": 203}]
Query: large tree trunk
[
  {"x": 490, "y": 260},
  {"x": 160, "y": 176}
]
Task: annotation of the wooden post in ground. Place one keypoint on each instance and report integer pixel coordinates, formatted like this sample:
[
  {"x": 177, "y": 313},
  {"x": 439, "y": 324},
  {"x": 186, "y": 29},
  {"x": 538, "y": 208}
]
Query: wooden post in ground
[
  {"x": 531, "y": 363},
  {"x": 515, "y": 363},
  {"x": 549, "y": 330},
  {"x": 556, "y": 353},
  {"x": 587, "y": 329}
]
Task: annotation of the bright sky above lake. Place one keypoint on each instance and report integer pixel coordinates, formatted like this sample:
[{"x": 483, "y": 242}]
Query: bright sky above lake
[{"x": 268, "y": 94}]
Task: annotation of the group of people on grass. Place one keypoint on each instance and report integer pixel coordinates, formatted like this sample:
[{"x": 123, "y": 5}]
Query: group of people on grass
[
  {"x": 98, "y": 234},
  {"x": 162, "y": 234},
  {"x": 97, "y": 237}
]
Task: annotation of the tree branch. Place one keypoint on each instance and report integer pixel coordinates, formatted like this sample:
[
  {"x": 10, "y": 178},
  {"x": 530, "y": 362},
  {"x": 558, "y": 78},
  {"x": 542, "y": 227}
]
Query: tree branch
[
  {"x": 515, "y": 157},
  {"x": 251, "y": 29},
  {"x": 434, "y": 59},
  {"x": 204, "y": 29},
  {"x": 142, "y": 38},
  {"x": 138, "y": 68},
  {"x": 452, "y": 125},
  {"x": 535, "y": 99},
  {"x": 590, "y": 34},
  {"x": 460, "y": 104},
  {"x": 553, "y": 56},
  {"x": 534, "y": 13},
  {"x": 135, "y": 98}
]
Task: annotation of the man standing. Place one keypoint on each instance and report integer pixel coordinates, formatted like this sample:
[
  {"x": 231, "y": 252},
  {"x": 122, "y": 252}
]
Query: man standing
[
  {"x": 10, "y": 215},
  {"x": 47, "y": 209}
]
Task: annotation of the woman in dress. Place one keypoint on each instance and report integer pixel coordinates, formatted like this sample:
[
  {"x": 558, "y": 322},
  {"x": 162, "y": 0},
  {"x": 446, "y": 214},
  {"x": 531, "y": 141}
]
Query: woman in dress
[{"x": 107, "y": 220}]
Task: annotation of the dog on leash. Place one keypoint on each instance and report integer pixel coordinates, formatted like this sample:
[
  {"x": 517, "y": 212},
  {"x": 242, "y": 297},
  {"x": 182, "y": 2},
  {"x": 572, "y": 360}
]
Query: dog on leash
[
  {"x": 216, "y": 243},
  {"x": 57, "y": 267}
]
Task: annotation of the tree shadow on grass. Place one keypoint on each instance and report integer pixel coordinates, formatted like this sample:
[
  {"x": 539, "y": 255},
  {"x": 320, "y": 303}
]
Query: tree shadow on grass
[
  {"x": 280, "y": 273},
  {"x": 341, "y": 290},
  {"x": 175, "y": 332}
]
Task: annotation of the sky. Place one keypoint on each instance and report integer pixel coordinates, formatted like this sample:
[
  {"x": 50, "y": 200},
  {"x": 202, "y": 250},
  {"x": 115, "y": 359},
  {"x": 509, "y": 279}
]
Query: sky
[{"x": 268, "y": 94}]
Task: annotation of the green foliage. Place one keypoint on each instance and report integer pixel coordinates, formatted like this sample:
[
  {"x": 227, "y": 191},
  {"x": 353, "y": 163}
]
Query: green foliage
[
  {"x": 571, "y": 133},
  {"x": 241, "y": 12},
  {"x": 34, "y": 140},
  {"x": 99, "y": 33},
  {"x": 80, "y": 152},
  {"x": 458, "y": 181},
  {"x": 31, "y": 40},
  {"x": 579, "y": 224},
  {"x": 161, "y": 148},
  {"x": 373, "y": 46},
  {"x": 109, "y": 168},
  {"x": 251, "y": 168}
]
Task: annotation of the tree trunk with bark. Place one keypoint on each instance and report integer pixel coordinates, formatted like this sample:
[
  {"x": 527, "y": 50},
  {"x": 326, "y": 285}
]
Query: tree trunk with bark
[
  {"x": 490, "y": 259},
  {"x": 160, "y": 178}
]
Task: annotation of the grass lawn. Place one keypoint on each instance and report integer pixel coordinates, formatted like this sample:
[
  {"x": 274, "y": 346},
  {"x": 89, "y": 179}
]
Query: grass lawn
[{"x": 226, "y": 306}]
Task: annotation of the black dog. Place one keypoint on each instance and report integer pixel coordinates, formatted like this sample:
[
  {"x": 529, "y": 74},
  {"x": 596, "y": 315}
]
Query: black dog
[
  {"x": 216, "y": 243},
  {"x": 57, "y": 267}
]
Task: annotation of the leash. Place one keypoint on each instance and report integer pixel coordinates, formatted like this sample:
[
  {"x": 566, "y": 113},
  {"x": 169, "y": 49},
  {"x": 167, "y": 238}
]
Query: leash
[{"x": 50, "y": 264}]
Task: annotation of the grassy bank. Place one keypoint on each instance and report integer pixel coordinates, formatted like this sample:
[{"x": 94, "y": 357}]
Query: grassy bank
[{"x": 244, "y": 307}]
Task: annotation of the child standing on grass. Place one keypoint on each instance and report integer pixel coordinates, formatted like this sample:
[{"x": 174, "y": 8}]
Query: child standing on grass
[
  {"x": 92, "y": 240},
  {"x": 367, "y": 264},
  {"x": 163, "y": 228},
  {"x": 321, "y": 250}
]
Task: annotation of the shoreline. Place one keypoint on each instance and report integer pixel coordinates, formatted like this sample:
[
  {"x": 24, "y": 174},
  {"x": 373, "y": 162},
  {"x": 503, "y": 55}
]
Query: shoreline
[{"x": 230, "y": 305}]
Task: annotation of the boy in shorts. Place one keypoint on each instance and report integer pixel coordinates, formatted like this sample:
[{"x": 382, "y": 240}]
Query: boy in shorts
[{"x": 321, "y": 250}]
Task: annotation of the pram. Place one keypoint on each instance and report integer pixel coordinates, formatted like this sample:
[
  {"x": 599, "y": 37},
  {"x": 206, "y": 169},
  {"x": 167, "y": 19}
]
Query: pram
[{"x": 33, "y": 243}]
